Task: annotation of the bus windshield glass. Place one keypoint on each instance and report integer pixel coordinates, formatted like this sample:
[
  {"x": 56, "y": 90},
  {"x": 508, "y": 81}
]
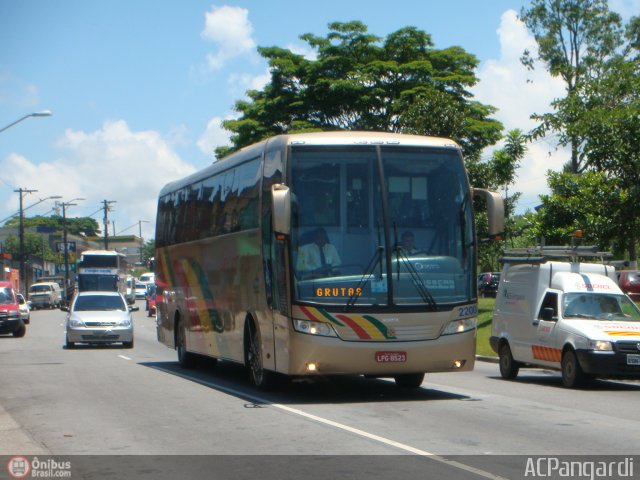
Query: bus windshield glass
[{"x": 381, "y": 226}]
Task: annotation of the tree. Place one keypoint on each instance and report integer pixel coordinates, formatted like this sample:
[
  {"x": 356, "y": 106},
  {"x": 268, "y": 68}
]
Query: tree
[
  {"x": 591, "y": 202},
  {"x": 575, "y": 40},
  {"x": 610, "y": 125},
  {"x": 34, "y": 244},
  {"x": 82, "y": 226},
  {"x": 499, "y": 172},
  {"x": 360, "y": 82}
]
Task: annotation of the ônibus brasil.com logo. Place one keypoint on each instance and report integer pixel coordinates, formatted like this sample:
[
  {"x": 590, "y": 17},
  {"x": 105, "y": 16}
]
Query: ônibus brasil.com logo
[{"x": 21, "y": 467}]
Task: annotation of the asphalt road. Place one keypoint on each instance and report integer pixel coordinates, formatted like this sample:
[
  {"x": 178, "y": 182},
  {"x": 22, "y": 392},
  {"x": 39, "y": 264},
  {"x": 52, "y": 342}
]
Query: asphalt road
[{"x": 115, "y": 401}]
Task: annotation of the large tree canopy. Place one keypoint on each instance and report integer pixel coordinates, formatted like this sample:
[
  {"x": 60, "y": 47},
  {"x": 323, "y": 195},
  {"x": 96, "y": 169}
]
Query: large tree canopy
[
  {"x": 83, "y": 226},
  {"x": 575, "y": 38},
  {"x": 359, "y": 81}
]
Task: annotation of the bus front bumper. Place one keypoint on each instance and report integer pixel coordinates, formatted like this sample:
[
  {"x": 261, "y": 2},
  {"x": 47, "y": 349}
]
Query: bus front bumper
[{"x": 315, "y": 355}]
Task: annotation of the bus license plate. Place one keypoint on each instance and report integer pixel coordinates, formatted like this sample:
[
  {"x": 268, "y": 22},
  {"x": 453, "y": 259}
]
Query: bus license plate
[
  {"x": 633, "y": 359},
  {"x": 387, "y": 357}
]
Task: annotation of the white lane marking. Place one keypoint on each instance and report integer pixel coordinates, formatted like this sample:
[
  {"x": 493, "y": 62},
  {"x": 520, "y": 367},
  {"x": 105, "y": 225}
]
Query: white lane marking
[
  {"x": 347, "y": 428},
  {"x": 124, "y": 357}
]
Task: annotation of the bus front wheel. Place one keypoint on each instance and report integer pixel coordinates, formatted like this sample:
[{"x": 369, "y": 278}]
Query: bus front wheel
[
  {"x": 409, "y": 380},
  {"x": 260, "y": 378}
]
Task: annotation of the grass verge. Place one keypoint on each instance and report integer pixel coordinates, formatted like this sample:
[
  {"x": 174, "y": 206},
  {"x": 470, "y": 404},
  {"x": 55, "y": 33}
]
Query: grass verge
[{"x": 485, "y": 315}]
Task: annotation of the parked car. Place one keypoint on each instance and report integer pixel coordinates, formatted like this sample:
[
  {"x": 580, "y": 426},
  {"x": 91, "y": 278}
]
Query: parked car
[
  {"x": 25, "y": 310},
  {"x": 10, "y": 319},
  {"x": 488, "y": 284},
  {"x": 629, "y": 283},
  {"x": 45, "y": 295},
  {"x": 98, "y": 318}
]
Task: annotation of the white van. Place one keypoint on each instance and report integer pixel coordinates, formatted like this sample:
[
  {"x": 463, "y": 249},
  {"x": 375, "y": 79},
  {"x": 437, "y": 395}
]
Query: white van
[
  {"x": 45, "y": 295},
  {"x": 569, "y": 316}
]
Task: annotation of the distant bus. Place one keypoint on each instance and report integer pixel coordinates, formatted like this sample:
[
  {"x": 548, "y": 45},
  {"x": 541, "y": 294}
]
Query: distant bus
[
  {"x": 288, "y": 257},
  {"x": 102, "y": 270}
]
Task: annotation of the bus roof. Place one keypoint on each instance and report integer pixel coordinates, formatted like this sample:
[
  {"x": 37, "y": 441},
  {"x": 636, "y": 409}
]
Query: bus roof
[{"x": 337, "y": 138}]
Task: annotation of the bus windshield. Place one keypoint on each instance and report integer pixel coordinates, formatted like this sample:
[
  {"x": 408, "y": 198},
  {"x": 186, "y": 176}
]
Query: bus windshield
[{"x": 381, "y": 226}]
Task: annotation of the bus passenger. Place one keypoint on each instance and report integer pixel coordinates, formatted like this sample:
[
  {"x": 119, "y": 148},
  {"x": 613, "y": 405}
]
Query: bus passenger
[{"x": 319, "y": 257}]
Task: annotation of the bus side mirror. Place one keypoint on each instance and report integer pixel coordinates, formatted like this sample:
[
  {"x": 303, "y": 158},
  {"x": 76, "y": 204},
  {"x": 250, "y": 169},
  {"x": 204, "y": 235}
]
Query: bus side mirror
[
  {"x": 281, "y": 206},
  {"x": 495, "y": 211}
]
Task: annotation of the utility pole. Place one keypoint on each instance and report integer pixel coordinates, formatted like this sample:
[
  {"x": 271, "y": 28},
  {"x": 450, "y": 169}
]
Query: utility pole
[
  {"x": 140, "y": 236},
  {"x": 65, "y": 244},
  {"x": 23, "y": 280},
  {"x": 106, "y": 207}
]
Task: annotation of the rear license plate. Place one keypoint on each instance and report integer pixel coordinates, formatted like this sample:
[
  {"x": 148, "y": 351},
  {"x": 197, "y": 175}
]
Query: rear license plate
[
  {"x": 633, "y": 359},
  {"x": 387, "y": 357}
]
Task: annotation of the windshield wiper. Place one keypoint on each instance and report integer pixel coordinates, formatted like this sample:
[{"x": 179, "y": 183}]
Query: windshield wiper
[
  {"x": 416, "y": 279},
  {"x": 377, "y": 255}
]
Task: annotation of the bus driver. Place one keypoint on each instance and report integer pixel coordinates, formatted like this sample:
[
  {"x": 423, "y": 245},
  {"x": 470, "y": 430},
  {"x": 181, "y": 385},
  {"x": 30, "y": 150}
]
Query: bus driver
[{"x": 319, "y": 256}]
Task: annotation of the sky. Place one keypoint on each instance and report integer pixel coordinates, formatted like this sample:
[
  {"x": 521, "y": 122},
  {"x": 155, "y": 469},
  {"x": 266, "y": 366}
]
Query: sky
[{"x": 138, "y": 88}]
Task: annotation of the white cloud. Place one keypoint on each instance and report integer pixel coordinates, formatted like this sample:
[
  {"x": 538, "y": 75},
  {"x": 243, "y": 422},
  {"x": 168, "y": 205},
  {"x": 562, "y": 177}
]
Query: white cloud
[
  {"x": 113, "y": 163},
  {"x": 626, "y": 8},
  {"x": 239, "y": 83},
  {"x": 305, "y": 50},
  {"x": 230, "y": 29},
  {"x": 214, "y": 136},
  {"x": 518, "y": 93}
]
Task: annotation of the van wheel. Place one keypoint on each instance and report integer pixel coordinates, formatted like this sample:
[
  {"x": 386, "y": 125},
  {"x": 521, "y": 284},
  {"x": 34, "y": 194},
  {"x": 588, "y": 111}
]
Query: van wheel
[
  {"x": 572, "y": 374},
  {"x": 185, "y": 359},
  {"x": 409, "y": 380},
  {"x": 509, "y": 368}
]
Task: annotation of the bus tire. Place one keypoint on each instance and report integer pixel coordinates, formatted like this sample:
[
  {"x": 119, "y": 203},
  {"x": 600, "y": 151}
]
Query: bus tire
[
  {"x": 509, "y": 368},
  {"x": 185, "y": 359},
  {"x": 409, "y": 380},
  {"x": 259, "y": 377}
]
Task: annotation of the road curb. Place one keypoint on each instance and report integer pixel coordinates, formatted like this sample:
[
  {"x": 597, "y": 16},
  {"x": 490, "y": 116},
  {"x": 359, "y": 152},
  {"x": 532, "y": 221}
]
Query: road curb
[{"x": 486, "y": 358}]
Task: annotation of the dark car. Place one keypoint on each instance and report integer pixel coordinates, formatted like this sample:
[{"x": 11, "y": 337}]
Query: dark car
[
  {"x": 10, "y": 319},
  {"x": 488, "y": 284},
  {"x": 629, "y": 283}
]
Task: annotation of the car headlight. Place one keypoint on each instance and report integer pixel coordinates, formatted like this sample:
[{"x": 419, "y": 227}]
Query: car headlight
[
  {"x": 459, "y": 326},
  {"x": 13, "y": 314},
  {"x": 125, "y": 322},
  {"x": 600, "y": 346},
  {"x": 314, "y": 328},
  {"x": 74, "y": 322}
]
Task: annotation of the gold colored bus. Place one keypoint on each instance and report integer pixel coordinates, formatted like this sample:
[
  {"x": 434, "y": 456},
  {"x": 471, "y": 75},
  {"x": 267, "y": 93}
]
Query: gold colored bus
[{"x": 322, "y": 254}]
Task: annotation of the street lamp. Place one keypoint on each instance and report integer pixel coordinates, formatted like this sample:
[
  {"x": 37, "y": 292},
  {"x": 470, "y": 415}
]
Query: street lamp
[
  {"x": 65, "y": 245},
  {"x": 43, "y": 113}
]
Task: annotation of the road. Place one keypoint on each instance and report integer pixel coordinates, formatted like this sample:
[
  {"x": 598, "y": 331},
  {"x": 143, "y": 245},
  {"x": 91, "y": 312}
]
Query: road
[{"x": 115, "y": 401}]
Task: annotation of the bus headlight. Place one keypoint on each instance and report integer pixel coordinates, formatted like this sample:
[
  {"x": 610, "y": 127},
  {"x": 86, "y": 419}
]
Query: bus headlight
[
  {"x": 314, "y": 328},
  {"x": 459, "y": 326},
  {"x": 600, "y": 346}
]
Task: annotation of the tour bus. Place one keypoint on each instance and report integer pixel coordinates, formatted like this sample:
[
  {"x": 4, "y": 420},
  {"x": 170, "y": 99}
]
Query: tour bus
[
  {"x": 286, "y": 257},
  {"x": 102, "y": 270}
]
